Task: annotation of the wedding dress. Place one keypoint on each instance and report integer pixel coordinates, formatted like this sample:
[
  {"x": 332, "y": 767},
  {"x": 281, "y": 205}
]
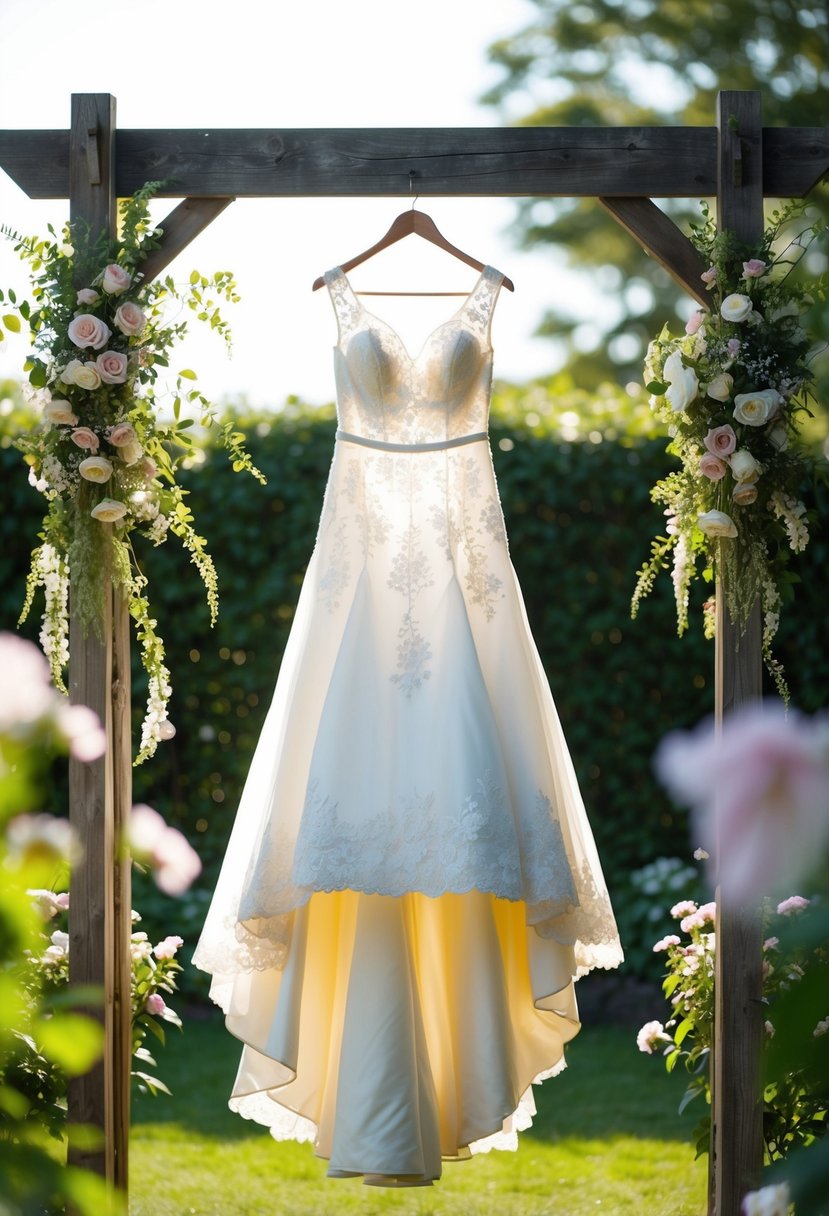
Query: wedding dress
[{"x": 411, "y": 885}]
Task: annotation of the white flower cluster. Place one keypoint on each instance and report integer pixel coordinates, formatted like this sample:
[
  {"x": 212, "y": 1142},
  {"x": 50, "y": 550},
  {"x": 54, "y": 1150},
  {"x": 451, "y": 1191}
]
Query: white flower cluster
[
  {"x": 53, "y": 575},
  {"x": 791, "y": 511},
  {"x": 156, "y": 726},
  {"x": 158, "y": 532}
]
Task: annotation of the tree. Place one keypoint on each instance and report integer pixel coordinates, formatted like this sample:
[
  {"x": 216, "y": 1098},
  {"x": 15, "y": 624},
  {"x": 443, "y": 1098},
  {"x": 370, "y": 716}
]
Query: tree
[{"x": 647, "y": 62}]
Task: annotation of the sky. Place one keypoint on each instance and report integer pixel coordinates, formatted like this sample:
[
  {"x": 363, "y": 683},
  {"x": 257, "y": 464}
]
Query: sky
[{"x": 323, "y": 63}]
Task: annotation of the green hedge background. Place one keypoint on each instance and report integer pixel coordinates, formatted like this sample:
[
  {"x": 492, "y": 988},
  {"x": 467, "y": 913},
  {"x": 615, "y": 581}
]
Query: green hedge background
[{"x": 574, "y": 482}]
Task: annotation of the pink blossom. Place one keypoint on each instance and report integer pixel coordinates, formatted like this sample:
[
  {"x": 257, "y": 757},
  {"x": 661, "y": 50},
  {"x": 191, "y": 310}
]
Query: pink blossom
[
  {"x": 771, "y": 943},
  {"x": 698, "y": 919},
  {"x": 168, "y": 948},
  {"x": 155, "y": 1003},
  {"x": 87, "y": 295},
  {"x": 665, "y": 942},
  {"x": 174, "y": 863},
  {"x": 694, "y": 322},
  {"x": 112, "y": 367},
  {"x": 712, "y": 467},
  {"x": 684, "y": 908},
  {"x": 721, "y": 440},
  {"x": 86, "y": 438},
  {"x": 120, "y": 434},
  {"x": 795, "y": 903},
  {"x": 149, "y": 468},
  {"x": 651, "y": 1034},
  {"x": 709, "y": 276},
  {"x": 82, "y": 729},
  {"x": 753, "y": 269},
  {"x": 760, "y": 790}
]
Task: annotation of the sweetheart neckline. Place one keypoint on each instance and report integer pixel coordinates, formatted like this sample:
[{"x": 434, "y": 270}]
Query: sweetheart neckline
[{"x": 413, "y": 360}]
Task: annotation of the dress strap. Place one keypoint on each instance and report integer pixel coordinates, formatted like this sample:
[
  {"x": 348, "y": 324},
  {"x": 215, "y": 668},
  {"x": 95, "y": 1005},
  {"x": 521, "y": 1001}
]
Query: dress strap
[
  {"x": 481, "y": 303},
  {"x": 383, "y": 446},
  {"x": 347, "y": 307}
]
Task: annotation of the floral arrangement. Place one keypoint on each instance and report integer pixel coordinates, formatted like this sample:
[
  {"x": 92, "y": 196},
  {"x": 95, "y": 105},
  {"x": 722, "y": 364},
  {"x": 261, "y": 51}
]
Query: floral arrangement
[
  {"x": 794, "y": 1106},
  {"x": 102, "y": 456},
  {"x": 730, "y": 390}
]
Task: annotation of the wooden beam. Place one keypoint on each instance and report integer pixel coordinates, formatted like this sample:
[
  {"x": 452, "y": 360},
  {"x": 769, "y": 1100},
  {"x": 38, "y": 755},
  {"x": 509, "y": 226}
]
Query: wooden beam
[
  {"x": 552, "y": 161},
  {"x": 100, "y": 792},
  {"x": 737, "y": 1108},
  {"x": 659, "y": 236},
  {"x": 181, "y": 226}
]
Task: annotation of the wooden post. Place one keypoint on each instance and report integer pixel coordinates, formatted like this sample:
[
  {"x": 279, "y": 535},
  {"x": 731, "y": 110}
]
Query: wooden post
[
  {"x": 100, "y": 792},
  {"x": 737, "y": 1109}
]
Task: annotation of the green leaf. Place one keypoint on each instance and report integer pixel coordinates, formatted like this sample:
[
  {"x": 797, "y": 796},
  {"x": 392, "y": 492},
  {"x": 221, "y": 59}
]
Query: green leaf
[
  {"x": 187, "y": 373},
  {"x": 194, "y": 277},
  {"x": 70, "y": 1040},
  {"x": 683, "y": 1029},
  {"x": 657, "y": 388},
  {"x": 11, "y": 322}
]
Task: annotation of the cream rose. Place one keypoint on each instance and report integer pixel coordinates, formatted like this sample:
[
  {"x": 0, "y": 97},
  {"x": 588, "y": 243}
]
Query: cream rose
[
  {"x": 84, "y": 437},
  {"x": 720, "y": 387},
  {"x": 743, "y": 466},
  {"x": 112, "y": 367},
  {"x": 85, "y": 375},
  {"x": 87, "y": 295},
  {"x": 735, "y": 307},
  {"x": 712, "y": 467},
  {"x": 95, "y": 468},
  {"x": 108, "y": 511},
  {"x": 682, "y": 382},
  {"x": 131, "y": 452},
  {"x": 130, "y": 319},
  {"x": 115, "y": 279},
  {"x": 86, "y": 330},
  {"x": 717, "y": 523},
  {"x": 60, "y": 412},
  {"x": 744, "y": 493},
  {"x": 755, "y": 409}
]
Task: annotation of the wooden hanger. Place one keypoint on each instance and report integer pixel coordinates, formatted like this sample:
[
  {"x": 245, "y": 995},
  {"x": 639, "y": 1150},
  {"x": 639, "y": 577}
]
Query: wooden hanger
[{"x": 421, "y": 224}]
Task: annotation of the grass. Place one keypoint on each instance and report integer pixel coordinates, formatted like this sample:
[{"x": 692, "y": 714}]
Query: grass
[{"x": 607, "y": 1139}]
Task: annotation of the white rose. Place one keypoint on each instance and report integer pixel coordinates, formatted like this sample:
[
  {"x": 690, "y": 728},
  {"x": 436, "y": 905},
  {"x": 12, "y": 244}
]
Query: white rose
[
  {"x": 744, "y": 494},
  {"x": 743, "y": 466},
  {"x": 86, "y": 330},
  {"x": 60, "y": 412},
  {"x": 95, "y": 468},
  {"x": 108, "y": 511},
  {"x": 682, "y": 382},
  {"x": 756, "y": 408},
  {"x": 130, "y": 319},
  {"x": 88, "y": 295},
  {"x": 735, "y": 307},
  {"x": 85, "y": 375},
  {"x": 131, "y": 452},
  {"x": 720, "y": 387},
  {"x": 716, "y": 523},
  {"x": 115, "y": 279}
]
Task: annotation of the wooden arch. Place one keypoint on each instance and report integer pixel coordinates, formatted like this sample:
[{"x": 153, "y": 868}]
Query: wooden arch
[{"x": 92, "y": 164}]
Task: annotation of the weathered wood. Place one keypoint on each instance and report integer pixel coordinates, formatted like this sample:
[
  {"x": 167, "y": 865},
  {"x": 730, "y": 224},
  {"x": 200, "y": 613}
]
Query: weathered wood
[
  {"x": 660, "y": 162},
  {"x": 119, "y": 947},
  {"x": 737, "y": 1112},
  {"x": 180, "y": 227},
  {"x": 659, "y": 236},
  {"x": 100, "y": 792}
]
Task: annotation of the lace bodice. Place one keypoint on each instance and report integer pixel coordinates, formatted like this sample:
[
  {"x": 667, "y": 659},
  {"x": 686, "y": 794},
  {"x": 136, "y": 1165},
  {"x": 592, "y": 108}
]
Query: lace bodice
[{"x": 384, "y": 393}]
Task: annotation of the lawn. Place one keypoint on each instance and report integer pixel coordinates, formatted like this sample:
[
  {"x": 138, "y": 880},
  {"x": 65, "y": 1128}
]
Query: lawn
[{"x": 607, "y": 1139}]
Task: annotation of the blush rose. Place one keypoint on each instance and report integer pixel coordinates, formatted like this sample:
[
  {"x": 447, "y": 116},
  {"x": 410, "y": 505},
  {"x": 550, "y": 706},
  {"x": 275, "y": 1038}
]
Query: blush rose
[
  {"x": 721, "y": 440},
  {"x": 85, "y": 438},
  {"x": 130, "y": 319},
  {"x": 112, "y": 367},
  {"x": 115, "y": 279},
  {"x": 712, "y": 467},
  {"x": 88, "y": 331}
]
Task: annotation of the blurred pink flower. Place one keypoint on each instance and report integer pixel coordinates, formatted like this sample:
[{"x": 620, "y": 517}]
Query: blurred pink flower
[
  {"x": 168, "y": 948},
  {"x": 155, "y": 1003},
  {"x": 694, "y": 321},
  {"x": 795, "y": 903},
  {"x": 174, "y": 863},
  {"x": 759, "y": 792}
]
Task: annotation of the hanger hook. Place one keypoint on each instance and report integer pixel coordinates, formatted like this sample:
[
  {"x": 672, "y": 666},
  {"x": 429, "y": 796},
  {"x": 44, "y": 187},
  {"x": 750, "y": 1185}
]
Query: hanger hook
[{"x": 412, "y": 176}]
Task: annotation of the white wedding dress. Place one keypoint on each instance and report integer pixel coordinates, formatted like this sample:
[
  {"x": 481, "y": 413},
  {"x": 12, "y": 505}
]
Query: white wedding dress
[{"x": 411, "y": 885}]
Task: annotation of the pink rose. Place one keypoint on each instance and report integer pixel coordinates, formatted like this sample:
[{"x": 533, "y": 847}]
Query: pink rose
[
  {"x": 155, "y": 1003},
  {"x": 86, "y": 330},
  {"x": 721, "y": 440},
  {"x": 130, "y": 319},
  {"x": 693, "y": 323},
  {"x": 753, "y": 269},
  {"x": 87, "y": 295},
  {"x": 112, "y": 367},
  {"x": 120, "y": 434},
  {"x": 709, "y": 276},
  {"x": 115, "y": 279},
  {"x": 85, "y": 438},
  {"x": 712, "y": 467},
  {"x": 149, "y": 468}
]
